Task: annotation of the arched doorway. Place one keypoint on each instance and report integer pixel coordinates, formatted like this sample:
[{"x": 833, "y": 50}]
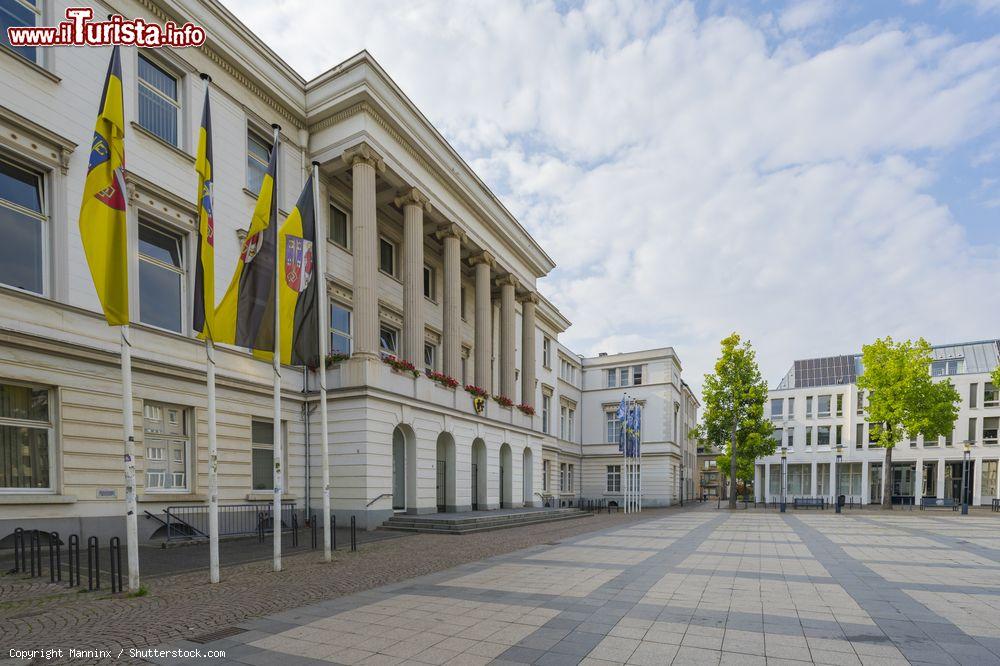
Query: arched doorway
[
  {"x": 446, "y": 500},
  {"x": 478, "y": 475},
  {"x": 404, "y": 469},
  {"x": 527, "y": 477},
  {"x": 506, "y": 477}
]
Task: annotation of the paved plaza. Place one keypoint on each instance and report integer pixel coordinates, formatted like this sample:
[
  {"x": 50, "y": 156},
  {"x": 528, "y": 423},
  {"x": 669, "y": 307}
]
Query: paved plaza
[{"x": 693, "y": 587}]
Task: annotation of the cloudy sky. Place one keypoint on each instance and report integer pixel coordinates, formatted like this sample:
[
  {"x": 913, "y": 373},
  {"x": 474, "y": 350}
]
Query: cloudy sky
[{"x": 810, "y": 173}]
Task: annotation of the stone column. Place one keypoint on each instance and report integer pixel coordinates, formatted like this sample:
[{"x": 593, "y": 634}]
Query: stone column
[
  {"x": 364, "y": 163},
  {"x": 940, "y": 477},
  {"x": 452, "y": 236},
  {"x": 866, "y": 483},
  {"x": 483, "y": 262},
  {"x": 528, "y": 304},
  {"x": 508, "y": 285},
  {"x": 767, "y": 482},
  {"x": 812, "y": 486},
  {"x": 918, "y": 486},
  {"x": 413, "y": 204},
  {"x": 758, "y": 496}
]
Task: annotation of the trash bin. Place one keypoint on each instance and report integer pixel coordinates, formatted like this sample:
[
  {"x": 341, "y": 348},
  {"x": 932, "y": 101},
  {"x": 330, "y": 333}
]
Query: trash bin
[{"x": 841, "y": 500}]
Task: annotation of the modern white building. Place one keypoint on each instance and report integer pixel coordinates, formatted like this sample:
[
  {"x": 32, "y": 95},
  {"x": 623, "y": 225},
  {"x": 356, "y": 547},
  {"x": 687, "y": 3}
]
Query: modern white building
[
  {"x": 817, "y": 406},
  {"x": 423, "y": 262}
]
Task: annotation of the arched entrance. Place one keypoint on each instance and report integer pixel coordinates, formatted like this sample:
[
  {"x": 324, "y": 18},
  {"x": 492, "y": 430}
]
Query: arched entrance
[
  {"x": 506, "y": 477},
  {"x": 527, "y": 477},
  {"x": 478, "y": 475},
  {"x": 446, "y": 500},
  {"x": 404, "y": 469}
]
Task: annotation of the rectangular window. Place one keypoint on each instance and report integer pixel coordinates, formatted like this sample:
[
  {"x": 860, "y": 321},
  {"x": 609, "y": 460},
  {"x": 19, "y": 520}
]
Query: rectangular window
[
  {"x": 809, "y": 435},
  {"x": 840, "y": 436},
  {"x": 26, "y": 438},
  {"x": 547, "y": 352},
  {"x": 546, "y": 406},
  {"x": 258, "y": 155},
  {"x": 777, "y": 409},
  {"x": 989, "y": 481},
  {"x": 809, "y": 407},
  {"x": 614, "y": 478},
  {"x": 262, "y": 452},
  {"x": 562, "y": 421},
  {"x": 930, "y": 441},
  {"x": 387, "y": 256},
  {"x": 159, "y": 106},
  {"x": 429, "y": 282},
  {"x": 972, "y": 430},
  {"x": 791, "y": 437},
  {"x": 947, "y": 367},
  {"x": 17, "y": 13},
  {"x": 612, "y": 378},
  {"x": 859, "y": 436},
  {"x": 545, "y": 475},
  {"x": 161, "y": 278},
  {"x": 168, "y": 445},
  {"x": 823, "y": 436},
  {"x": 340, "y": 330},
  {"x": 861, "y": 402},
  {"x": 562, "y": 477},
  {"x": 991, "y": 396},
  {"x": 23, "y": 226},
  {"x": 840, "y": 404},
  {"x": 823, "y": 408},
  {"x": 623, "y": 376},
  {"x": 430, "y": 353},
  {"x": 611, "y": 426},
  {"x": 973, "y": 395},
  {"x": 791, "y": 408},
  {"x": 339, "y": 227},
  {"x": 990, "y": 426},
  {"x": 947, "y": 438},
  {"x": 571, "y": 424},
  {"x": 778, "y": 434},
  {"x": 636, "y": 375},
  {"x": 570, "y": 487},
  {"x": 388, "y": 340}
]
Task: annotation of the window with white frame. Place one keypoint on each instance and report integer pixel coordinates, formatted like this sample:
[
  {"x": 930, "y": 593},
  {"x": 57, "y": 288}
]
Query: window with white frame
[
  {"x": 991, "y": 396},
  {"x": 562, "y": 477},
  {"x": 20, "y": 13},
  {"x": 636, "y": 375},
  {"x": 791, "y": 437},
  {"x": 612, "y": 377},
  {"x": 990, "y": 427},
  {"x": 861, "y": 402},
  {"x": 388, "y": 340},
  {"x": 387, "y": 256},
  {"x": 429, "y": 274},
  {"x": 809, "y": 406},
  {"x": 973, "y": 395},
  {"x": 840, "y": 404},
  {"x": 167, "y": 442},
  {"x": 972, "y": 430},
  {"x": 570, "y": 487},
  {"x": 570, "y": 423},
  {"x": 340, "y": 227},
  {"x": 823, "y": 407},
  {"x": 547, "y": 352},
  {"x": 791, "y": 408},
  {"x": 546, "y": 469},
  {"x": 430, "y": 357},
  {"x": 340, "y": 329},
  {"x": 624, "y": 375},
  {"x": 258, "y": 155},
  {"x": 159, "y": 103},
  {"x": 23, "y": 227},
  {"x": 612, "y": 426},
  {"x": 823, "y": 435},
  {"x": 262, "y": 454},
  {"x": 161, "y": 277},
  {"x": 944, "y": 368},
  {"x": 614, "y": 474},
  {"x": 26, "y": 438},
  {"x": 859, "y": 436},
  {"x": 777, "y": 408},
  {"x": 562, "y": 421},
  {"x": 546, "y": 409}
]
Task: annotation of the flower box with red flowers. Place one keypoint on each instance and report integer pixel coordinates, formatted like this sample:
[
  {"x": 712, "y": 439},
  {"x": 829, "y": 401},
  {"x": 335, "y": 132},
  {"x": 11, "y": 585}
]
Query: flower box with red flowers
[
  {"x": 527, "y": 409},
  {"x": 476, "y": 391},
  {"x": 442, "y": 379},
  {"x": 504, "y": 401},
  {"x": 336, "y": 358},
  {"x": 400, "y": 365}
]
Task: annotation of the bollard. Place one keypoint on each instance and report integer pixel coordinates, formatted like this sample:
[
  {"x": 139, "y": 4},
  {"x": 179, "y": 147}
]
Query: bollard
[
  {"x": 55, "y": 566},
  {"x": 260, "y": 527},
  {"x": 73, "y": 555},
  {"x": 93, "y": 564},
  {"x": 313, "y": 526},
  {"x": 20, "y": 565},
  {"x": 333, "y": 532},
  {"x": 295, "y": 529},
  {"x": 354, "y": 537},
  {"x": 115, "y": 556},
  {"x": 35, "y": 554}
]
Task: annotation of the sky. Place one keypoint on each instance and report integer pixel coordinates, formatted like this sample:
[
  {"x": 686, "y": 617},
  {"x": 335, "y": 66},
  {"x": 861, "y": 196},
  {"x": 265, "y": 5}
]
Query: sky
[{"x": 812, "y": 174}]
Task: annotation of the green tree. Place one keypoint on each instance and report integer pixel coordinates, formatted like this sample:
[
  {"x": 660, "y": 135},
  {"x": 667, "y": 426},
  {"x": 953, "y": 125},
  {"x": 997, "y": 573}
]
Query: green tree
[
  {"x": 996, "y": 377},
  {"x": 903, "y": 400},
  {"x": 733, "y": 418}
]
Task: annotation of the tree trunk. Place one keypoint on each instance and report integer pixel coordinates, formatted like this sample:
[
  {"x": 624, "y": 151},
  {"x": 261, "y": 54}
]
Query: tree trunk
[
  {"x": 887, "y": 480},
  {"x": 732, "y": 471}
]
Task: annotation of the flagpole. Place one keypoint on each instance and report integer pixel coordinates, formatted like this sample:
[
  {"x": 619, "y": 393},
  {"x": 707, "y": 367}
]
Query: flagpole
[
  {"x": 276, "y": 364},
  {"x": 128, "y": 426},
  {"x": 623, "y": 437},
  {"x": 638, "y": 447},
  {"x": 324, "y": 308}
]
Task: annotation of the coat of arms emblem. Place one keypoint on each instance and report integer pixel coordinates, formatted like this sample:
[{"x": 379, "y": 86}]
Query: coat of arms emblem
[{"x": 298, "y": 263}]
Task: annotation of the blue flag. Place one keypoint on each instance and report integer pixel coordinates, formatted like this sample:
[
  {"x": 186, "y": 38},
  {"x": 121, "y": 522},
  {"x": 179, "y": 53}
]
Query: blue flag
[{"x": 620, "y": 416}]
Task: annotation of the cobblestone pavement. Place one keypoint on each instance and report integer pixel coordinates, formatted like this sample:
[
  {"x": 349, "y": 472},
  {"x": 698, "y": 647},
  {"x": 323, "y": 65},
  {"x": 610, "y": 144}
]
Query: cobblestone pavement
[
  {"x": 38, "y": 615},
  {"x": 698, "y": 586}
]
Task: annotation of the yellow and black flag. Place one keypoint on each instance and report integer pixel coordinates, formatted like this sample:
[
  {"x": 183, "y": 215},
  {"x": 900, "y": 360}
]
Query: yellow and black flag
[
  {"x": 204, "y": 277},
  {"x": 245, "y": 317},
  {"x": 103, "y": 227},
  {"x": 298, "y": 293}
]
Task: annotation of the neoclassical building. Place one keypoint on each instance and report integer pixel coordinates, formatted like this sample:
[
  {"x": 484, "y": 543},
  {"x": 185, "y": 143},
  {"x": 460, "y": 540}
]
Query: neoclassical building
[{"x": 423, "y": 262}]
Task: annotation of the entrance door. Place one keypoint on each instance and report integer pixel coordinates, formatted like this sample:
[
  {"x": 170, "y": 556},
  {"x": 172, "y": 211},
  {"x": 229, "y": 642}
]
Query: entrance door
[
  {"x": 475, "y": 487},
  {"x": 442, "y": 502}
]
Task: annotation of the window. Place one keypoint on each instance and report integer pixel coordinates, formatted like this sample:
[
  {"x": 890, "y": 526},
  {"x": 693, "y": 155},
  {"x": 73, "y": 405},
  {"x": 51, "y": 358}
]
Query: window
[
  {"x": 636, "y": 375},
  {"x": 567, "y": 371},
  {"x": 944, "y": 368},
  {"x": 26, "y": 438},
  {"x": 778, "y": 435},
  {"x": 791, "y": 408},
  {"x": 848, "y": 478},
  {"x": 340, "y": 329},
  {"x": 809, "y": 435},
  {"x": 809, "y": 407},
  {"x": 823, "y": 479},
  {"x": 947, "y": 438},
  {"x": 547, "y": 352},
  {"x": 562, "y": 421},
  {"x": 387, "y": 256},
  {"x": 930, "y": 441},
  {"x": 545, "y": 475},
  {"x": 571, "y": 423},
  {"x": 546, "y": 407},
  {"x": 989, "y": 480},
  {"x": 461, "y": 301},
  {"x": 611, "y": 426},
  {"x": 430, "y": 352},
  {"x": 990, "y": 427},
  {"x": 23, "y": 226},
  {"x": 19, "y": 13},
  {"x": 429, "y": 282},
  {"x": 823, "y": 408},
  {"x": 973, "y": 395},
  {"x": 823, "y": 436},
  {"x": 859, "y": 436},
  {"x": 623, "y": 376},
  {"x": 612, "y": 377},
  {"x": 799, "y": 479},
  {"x": 161, "y": 278},
  {"x": 339, "y": 227},
  {"x": 258, "y": 154},
  {"x": 840, "y": 436},
  {"x": 570, "y": 487},
  {"x": 262, "y": 452},
  {"x": 791, "y": 437},
  {"x": 168, "y": 445},
  {"x": 388, "y": 340},
  {"x": 861, "y": 402},
  {"x": 777, "y": 408},
  {"x": 562, "y": 477},
  {"x": 972, "y": 430},
  {"x": 614, "y": 478},
  {"x": 159, "y": 107},
  {"x": 840, "y": 404},
  {"x": 991, "y": 396}
]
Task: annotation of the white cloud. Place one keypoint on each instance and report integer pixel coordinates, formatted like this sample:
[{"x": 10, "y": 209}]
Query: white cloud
[
  {"x": 694, "y": 175},
  {"x": 805, "y": 14}
]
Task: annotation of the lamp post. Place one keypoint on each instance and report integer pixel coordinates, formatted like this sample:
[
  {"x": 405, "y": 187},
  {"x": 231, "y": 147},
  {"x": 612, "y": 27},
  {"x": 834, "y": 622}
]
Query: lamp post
[
  {"x": 784, "y": 476},
  {"x": 682, "y": 484},
  {"x": 836, "y": 480},
  {"x": 966, "y": 454}
]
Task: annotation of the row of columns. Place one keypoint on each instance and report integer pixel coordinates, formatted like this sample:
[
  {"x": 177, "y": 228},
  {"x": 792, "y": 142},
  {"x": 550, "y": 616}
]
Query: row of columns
[{"x": 365, "y": 163}]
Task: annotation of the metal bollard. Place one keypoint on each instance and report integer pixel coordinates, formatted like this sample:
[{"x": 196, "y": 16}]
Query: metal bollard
[
  {"x": 115, "y": 555},
  {"x": 35, "y": 554},
  {"x": 260, "y": 527},
  {"x": 20, "y": 563},
  {"x": 354, "y": 535},
  {"x": 93, "y": 564},
  {"x": 333, "y": 532},
  {"x": 295, "y": 529},
  {"x": 73, "y": 555},
  {"x": 312, "y": 526},
  {"x": 55, "y": 565}
]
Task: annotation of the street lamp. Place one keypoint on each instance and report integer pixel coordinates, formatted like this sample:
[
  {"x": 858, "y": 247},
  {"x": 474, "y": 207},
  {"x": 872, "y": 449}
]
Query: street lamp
[
  {"x": 965, "y": 473},
  {"x": 682, "y": 484},
  {"x": 784, "y": 477},
  {"x": 836, "y": 480}
]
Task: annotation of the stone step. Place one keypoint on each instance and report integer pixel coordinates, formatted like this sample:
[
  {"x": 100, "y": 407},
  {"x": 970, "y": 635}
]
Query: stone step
[{"x": 460, "y": 526}]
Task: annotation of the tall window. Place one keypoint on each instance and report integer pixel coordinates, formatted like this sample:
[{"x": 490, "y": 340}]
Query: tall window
[
  {"x": 861, "y": 402},
  {"x": 777, "y": 408},
  {"x": 636, "y": 375},
  {"x": 387, "y": 256},
  {"x": 570, "y": 423},
  {"x": 258, "y": 154},
  {"x": 339, "y": 233},
  {"x": 545, "y": 475},
  {"x": 612, "y": 377},
  {"x": 809, "y": 406},
  {"x": 161, "y": 278},
  {"x": 159, "y": 107},
  {"x": 547, "y": 352},
  {"x": 570, "y": 487},
  {"x": 840, "y": 404},
  {"x": 972, "y": 429},
  {"x": 388, "y": 340},
  {"x": 624, "y": 374},
  {"x": 562, "y": 421},
  {"x": 840, "y": 435},
  {"x": 429, "y": 282},
  {"x": 973, "y": 395},
  {"x": 340, "y": 329},
  {"x": 612, "y": 426},
  {"x": 430, "y": 354},
  {"x": 23, "y": 226},
  {"x": 461, "y": 301},
  {"x": 614, "y": 478},
  {"x": 168, "y": 446},
  {"x": 859, "y": 436},
  {"x": 26, "y": 438},
  {"x": 823, "y": 436},
  {"x": 989, "y": 480},
  {"x": 791, "y": 408},
  {"x": 562, "y": 477},
  {"x": 791, "y": 438},
  {"x": 823, "y": 408},
  {"x": 16, "y": 13},
  {"x": 262, "y": 454},
  {"x": 546, "y": 408},
  {"x": 991, "y": 396},
  {"x": 990, "y": 426},
  {"x": 809, "y": 435}
]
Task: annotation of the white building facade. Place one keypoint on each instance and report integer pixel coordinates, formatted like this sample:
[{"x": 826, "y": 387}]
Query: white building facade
[
  {"x": 817, "y": 406},
  {"x": 423, "y": 262}
]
